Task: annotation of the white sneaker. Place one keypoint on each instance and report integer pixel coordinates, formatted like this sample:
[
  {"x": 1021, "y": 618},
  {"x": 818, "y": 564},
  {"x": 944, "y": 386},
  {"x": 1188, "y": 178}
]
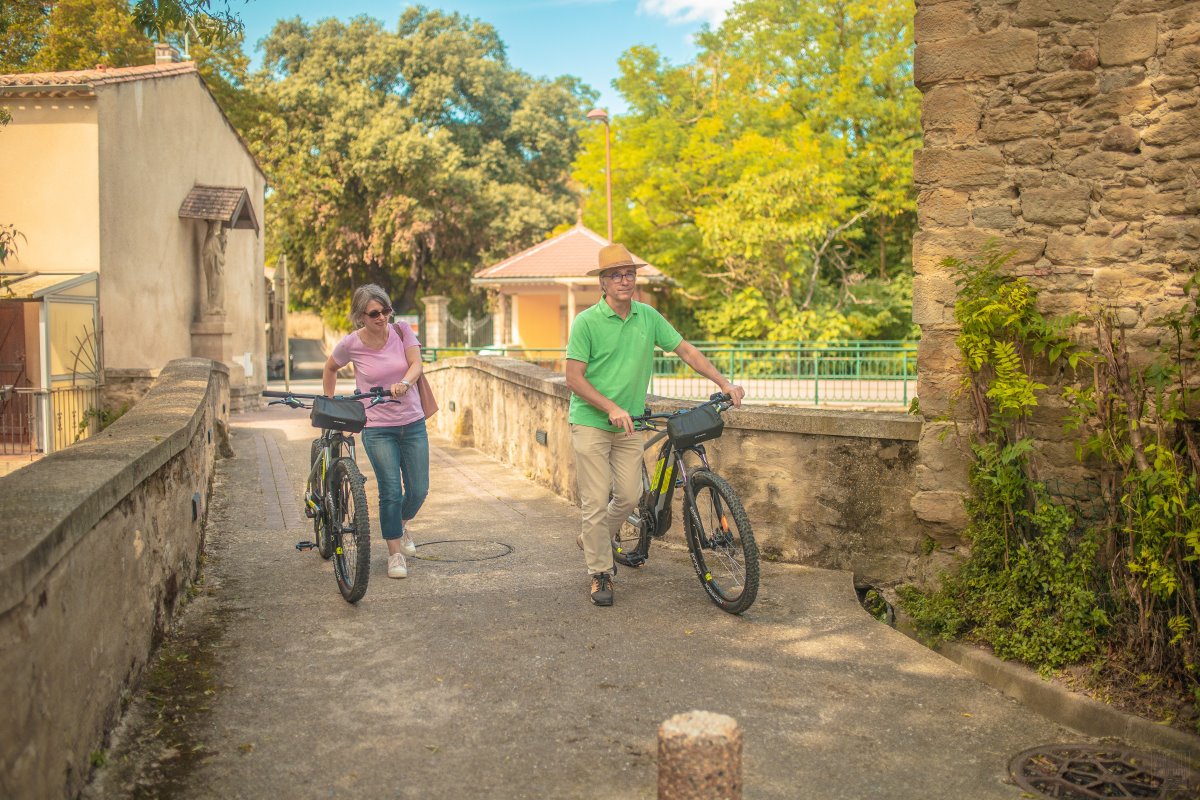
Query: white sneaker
[
  {"x": 407, "y": 545},
  {"x": 396, "y": 566}
]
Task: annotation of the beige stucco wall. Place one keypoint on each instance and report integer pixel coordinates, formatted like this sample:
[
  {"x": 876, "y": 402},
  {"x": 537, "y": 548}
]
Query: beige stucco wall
[
  {"x": 50, "y": 190},
  {"x": 158, "y": 138},
  {"x": 538, "y": 320}
]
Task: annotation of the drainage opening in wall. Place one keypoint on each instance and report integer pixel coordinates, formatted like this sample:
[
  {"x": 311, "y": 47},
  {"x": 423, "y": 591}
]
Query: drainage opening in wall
[
  {"x": 1087, "y": 771},
  {"x": 873, "y": 600}
]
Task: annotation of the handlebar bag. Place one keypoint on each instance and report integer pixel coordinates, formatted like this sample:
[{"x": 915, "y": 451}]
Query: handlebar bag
[
  {"x": 348, "y": 416},
  {"x": 695, "y": 426}
]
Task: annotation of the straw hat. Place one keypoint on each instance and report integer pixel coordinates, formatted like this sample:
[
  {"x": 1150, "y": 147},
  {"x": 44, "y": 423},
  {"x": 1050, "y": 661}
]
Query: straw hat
[{"x": 615, "y": 255}]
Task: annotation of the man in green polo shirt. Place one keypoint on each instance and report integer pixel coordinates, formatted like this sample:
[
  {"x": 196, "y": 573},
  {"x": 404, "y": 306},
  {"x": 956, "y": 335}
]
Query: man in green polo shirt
[{"x": 610, "y": 355}]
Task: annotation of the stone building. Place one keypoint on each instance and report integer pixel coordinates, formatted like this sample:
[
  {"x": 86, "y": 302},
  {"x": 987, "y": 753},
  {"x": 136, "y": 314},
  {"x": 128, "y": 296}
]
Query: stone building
[
  {"x": 1069, "y": 131},
  {"x": 134, "y": 176}
]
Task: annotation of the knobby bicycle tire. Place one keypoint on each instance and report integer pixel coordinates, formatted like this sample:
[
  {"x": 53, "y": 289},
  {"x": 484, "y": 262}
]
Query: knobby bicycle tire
[
  {"x": 324, "y": 545},
  {"x": 721, "y": 543},
  {"x": 350, "y": 529},
  {"x": 632, "y": 542}
]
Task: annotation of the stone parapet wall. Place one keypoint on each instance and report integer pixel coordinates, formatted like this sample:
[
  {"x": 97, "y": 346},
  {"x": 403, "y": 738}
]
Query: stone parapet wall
[
  {"x": 97, "y": 542},
  {"x": 1069, "y": 131},
  {"x": 822, "y": 488}
]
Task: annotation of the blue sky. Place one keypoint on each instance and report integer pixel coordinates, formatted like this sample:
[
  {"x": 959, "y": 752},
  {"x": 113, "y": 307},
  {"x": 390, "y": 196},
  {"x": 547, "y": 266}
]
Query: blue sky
[{"x": 545, "y": 38}]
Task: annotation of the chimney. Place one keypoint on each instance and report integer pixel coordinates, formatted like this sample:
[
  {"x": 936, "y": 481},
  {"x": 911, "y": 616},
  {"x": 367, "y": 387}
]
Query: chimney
[{"x": 165, "y": 53}]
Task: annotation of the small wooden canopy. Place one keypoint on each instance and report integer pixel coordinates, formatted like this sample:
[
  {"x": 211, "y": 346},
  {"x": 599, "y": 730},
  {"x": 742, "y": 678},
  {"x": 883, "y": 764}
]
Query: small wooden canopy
[{"x": 228, "y": 204}]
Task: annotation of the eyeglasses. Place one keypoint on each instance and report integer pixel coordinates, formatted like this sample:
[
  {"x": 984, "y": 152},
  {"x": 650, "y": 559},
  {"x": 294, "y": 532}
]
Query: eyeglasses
[
  {"x": 379, "y": 312},
  {"x": 622, "y": 276}
]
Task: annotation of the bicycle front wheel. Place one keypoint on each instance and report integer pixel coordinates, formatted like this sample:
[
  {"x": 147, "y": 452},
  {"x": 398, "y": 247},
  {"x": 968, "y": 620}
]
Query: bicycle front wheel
[
  {"x": 721, "y": 543},
  {"x": 349, "y": 529},
  {"x": 320, "y": 520}
]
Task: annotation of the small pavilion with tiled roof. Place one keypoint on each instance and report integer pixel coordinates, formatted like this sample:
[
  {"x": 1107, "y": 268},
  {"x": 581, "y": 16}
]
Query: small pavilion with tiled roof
[{"x": 537, "y": 293}]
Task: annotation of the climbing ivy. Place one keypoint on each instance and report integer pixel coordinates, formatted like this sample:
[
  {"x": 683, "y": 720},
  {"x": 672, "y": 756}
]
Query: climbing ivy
[{"x": 1027, "y": 586}]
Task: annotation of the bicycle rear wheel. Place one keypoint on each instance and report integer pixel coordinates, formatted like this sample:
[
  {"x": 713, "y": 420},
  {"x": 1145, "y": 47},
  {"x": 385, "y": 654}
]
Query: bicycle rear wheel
[
  {"x": 349, "y": 529},
  {"x": 632, "y": 542},
  {"x": 721, "y": 543},
  {"x": 324, "y": 545}
]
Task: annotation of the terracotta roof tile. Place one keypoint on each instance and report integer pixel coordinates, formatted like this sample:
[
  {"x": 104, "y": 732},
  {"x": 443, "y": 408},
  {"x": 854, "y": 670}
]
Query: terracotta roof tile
[
  {"x": 568, "y": 255},
  {"x": 97, "y": 77}
]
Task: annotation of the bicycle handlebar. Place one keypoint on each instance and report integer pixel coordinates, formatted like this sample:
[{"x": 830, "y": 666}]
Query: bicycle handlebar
[
  {"x": 645, "y": 422},
  {"x": 377, "y": 394}
]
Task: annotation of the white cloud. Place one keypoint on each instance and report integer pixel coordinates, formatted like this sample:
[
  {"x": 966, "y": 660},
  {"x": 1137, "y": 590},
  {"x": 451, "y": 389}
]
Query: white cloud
[{"x": 683, "y": 11}]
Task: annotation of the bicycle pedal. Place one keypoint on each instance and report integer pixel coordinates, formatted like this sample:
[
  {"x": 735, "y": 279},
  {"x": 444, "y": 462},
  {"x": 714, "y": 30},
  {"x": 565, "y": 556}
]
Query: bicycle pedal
[
  {"x": 306, "y": 545},
  {"x": 310, "y": 512}
]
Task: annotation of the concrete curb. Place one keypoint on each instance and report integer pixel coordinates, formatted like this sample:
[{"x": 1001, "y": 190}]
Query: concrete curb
[{"x": 1073, "y": 710}]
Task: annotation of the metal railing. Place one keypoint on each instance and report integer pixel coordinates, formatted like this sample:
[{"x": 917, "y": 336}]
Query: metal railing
[
  {"x": 45, "y": 420},
  {"x": 857, "y": 373}
]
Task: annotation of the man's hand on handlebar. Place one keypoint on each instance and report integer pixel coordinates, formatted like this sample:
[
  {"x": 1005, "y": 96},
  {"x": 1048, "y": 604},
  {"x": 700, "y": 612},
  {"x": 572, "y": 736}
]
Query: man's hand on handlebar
[
  {"x": 620, "y": 418},
  {"x": 735, "y": 392}
]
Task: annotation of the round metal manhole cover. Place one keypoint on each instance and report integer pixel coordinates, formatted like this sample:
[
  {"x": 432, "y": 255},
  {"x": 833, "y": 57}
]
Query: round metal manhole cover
[
  {"x": 1085, "y": 771},
  {"x": 461, "y": 550}
]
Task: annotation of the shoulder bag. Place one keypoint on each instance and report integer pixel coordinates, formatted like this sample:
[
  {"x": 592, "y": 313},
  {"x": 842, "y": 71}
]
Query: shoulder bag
[{"x": 428, "y": 402}]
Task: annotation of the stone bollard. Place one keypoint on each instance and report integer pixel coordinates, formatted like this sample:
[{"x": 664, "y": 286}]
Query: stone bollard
[{"x": 700, "y": 757}]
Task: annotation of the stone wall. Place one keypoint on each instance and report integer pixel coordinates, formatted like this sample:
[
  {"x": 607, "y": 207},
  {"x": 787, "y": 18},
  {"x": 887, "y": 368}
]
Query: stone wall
[
  {"x": 1069, "y": 131},
  {"x": 97, "y": 543},
  {"x": 823, "y": 488}
]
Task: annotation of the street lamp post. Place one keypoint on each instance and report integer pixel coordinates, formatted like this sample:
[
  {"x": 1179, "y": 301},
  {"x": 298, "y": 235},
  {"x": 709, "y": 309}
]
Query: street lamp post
[{"x": 602, "y": 115}]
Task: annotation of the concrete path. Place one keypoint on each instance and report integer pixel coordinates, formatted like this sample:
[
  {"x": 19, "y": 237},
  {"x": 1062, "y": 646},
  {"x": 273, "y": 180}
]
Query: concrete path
[{"x": 498, "y": 679}]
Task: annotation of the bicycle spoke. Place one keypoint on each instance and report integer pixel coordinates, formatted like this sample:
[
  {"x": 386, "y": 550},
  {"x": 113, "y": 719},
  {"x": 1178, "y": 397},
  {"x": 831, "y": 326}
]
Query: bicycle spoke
[{"x": 722, "y": 545}]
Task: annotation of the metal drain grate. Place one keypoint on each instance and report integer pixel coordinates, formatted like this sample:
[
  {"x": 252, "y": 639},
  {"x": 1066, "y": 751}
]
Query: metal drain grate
[
  {"x": 1085, "y": 771},
  {"x": 461, "y": 550}
]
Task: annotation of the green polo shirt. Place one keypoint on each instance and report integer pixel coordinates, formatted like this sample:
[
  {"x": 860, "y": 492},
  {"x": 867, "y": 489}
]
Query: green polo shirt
[{"x": 619, "y": 354}]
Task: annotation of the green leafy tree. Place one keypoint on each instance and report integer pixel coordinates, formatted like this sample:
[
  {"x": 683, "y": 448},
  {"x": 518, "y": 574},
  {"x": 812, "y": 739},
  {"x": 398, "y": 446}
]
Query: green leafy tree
[
  {"x": 409, "y": 158},
  {"x": 774, "y": 169}
]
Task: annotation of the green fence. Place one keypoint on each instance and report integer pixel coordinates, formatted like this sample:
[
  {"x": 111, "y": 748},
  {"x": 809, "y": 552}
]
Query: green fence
[{"x": 856, "y": 373}]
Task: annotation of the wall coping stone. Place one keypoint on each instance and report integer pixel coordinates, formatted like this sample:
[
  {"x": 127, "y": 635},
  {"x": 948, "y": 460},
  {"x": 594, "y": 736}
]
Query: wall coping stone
[
  {"x": 46, "y": 507},
  {"x": 785, "y": 419}
]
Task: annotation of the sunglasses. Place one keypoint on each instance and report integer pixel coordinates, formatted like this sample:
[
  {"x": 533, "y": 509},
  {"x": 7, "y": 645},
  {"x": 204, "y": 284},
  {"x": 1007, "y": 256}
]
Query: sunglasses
[{"x": 379, "y": 312}]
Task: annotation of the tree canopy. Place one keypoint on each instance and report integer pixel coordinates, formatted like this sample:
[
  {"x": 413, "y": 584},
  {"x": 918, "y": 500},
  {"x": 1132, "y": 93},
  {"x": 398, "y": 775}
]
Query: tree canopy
[
  {"x": 408, "y": 157},
  {"x": 772, "y": 175}
]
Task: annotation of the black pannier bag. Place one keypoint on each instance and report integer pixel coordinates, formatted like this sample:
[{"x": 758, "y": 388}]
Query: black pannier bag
[
  {"x": 348, "y": 416},
  {"x": 695, "y": 426}
]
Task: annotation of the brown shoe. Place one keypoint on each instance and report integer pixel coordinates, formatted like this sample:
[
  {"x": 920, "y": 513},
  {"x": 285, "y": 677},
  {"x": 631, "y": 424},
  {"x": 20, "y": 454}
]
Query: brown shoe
[{"x": 602, "y": 589}]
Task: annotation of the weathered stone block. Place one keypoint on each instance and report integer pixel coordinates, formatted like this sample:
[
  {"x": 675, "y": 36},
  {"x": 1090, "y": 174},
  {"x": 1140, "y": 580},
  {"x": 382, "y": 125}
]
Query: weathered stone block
[
  {"x": 994, "y": 217},
  {"x": 931, "y": 248},
  {"x": 1129, "y": 40},
  {"x": 1136, "y": 204},
  {"x": 1173, "y": 127},
  {"x": 1083, "y": 250},
  {"x": 942, "y": 207},
  {"x": 1183, "y": 233},
  {"x": 1056, "y": 206},
  {"x": 1085, "y": 59},
  {"x": 1002, "y": 52},
  {"x": 942, "y": 21},
  {"x": 940, "y": 508},
  {"x": 958, "y": 169},
  {"x": 1103, "y": 165},
  {"x": 1029, "y": 151},
  {"x": 1033, "y": 13},
  {"x": 933, "y": 298},
  {"x": 1121, "y": 138},
  {"x": 1111, "y": 283},
  {"x": 1017, "y": 122},
  {"x": 952, "y": 111},
  {"x": 1111, "y": 105},
  {"x": 1068, "y": 85}
]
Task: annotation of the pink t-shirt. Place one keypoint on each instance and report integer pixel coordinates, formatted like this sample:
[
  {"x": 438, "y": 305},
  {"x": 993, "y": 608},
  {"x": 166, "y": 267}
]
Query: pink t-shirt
[{"x": 382, "y": 368}]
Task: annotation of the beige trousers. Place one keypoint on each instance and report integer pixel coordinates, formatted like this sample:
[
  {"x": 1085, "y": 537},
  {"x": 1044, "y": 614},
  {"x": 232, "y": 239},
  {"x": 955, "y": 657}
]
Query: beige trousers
[{"x": 609, "y": 472}]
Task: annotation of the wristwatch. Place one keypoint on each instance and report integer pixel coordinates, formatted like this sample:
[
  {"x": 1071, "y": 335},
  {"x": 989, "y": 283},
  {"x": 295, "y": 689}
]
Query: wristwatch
[{"x": 406, "y": 383}]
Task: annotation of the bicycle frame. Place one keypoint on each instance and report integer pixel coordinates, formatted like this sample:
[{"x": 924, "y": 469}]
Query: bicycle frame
[
  {"x": 332, "y": 443},
  {"x": 661, "y": 486}
]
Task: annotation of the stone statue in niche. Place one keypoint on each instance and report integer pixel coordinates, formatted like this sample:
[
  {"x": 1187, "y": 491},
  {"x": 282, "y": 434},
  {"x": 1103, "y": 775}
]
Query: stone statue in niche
[{"x": 212, "y": 259}]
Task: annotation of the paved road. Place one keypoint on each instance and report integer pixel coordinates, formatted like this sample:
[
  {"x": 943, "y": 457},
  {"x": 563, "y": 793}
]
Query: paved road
[{"x": 498, "y": 679}]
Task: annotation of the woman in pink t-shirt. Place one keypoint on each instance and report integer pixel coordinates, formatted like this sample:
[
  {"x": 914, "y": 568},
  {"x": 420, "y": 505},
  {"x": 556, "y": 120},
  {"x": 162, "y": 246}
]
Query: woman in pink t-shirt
[{"x": 388, "y": 355}]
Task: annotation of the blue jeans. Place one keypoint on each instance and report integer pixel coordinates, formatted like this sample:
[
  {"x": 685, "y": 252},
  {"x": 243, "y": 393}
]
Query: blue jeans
[{"x": 400, "y": 457}]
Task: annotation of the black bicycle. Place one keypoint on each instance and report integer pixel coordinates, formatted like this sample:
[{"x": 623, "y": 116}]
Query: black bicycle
[
  {"x": 715, "y": 524},
  {"x": 335, "y": 496}
]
